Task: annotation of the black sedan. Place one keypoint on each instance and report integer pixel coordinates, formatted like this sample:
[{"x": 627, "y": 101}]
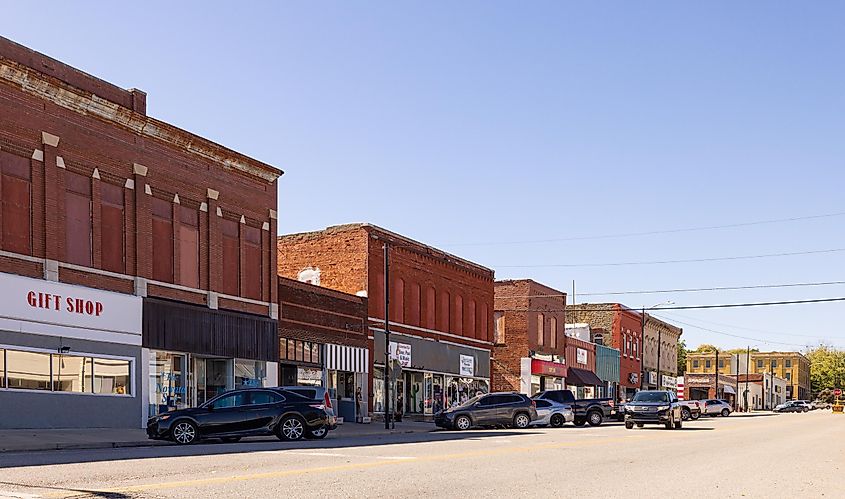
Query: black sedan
[{"x": 248, "y": 412}]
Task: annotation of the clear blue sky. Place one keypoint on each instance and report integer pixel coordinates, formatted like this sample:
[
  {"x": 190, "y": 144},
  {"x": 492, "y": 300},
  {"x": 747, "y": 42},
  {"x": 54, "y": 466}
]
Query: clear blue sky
[{"x": 500, "y": 121}]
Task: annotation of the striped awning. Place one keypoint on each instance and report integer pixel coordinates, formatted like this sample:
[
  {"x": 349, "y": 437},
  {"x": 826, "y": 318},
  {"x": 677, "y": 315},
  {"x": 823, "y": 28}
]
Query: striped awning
[{"x": 350, "y": 359}]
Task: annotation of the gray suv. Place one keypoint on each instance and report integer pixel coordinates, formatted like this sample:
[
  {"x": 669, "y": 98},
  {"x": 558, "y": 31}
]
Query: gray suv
[{"x": 493, "y": 409}]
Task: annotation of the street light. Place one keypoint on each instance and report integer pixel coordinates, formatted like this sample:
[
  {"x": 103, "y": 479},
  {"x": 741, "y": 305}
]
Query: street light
[{"x": 642, "y": 339}]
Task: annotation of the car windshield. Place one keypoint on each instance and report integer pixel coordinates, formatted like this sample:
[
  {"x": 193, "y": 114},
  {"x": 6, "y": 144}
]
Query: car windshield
[
  {"x": 651, "y": 397},
  {"x": 471, "y": 401}
]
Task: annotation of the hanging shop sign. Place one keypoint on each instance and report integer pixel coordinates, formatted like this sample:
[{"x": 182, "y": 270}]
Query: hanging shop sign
[
  {"x": 669, "y": 381},
  {"x": 581, "y": 356}
]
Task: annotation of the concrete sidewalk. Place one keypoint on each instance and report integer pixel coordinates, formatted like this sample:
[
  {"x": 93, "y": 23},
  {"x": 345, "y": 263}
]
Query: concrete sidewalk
[{"x": 105, "y": 438}]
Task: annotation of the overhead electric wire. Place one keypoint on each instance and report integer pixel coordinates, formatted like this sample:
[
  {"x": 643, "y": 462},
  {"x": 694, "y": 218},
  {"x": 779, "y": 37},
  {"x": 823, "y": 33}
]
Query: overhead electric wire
[
  {"x": 764, "y": 331},
  {"x": 689, "y": 290},
  {"x": 660, "y": 262},
  {"x": 652, "y": 232},
  {"x": 729, "y": 334},
  {"x": 582, "y": 308}
]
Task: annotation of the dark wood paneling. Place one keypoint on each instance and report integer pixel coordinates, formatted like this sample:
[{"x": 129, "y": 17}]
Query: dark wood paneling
[{"x": 188, "y": 328}]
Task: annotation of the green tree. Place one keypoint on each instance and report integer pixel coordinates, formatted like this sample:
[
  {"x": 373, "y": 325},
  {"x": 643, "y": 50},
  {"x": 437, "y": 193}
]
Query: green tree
[
  {"x": 827, "y": 368},
  {"x": 682, "y": 357},
  {"x": 706, "y": 348}
]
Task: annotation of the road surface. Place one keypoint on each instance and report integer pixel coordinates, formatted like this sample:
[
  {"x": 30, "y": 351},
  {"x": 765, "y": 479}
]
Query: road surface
[{"x": 766, "y": 456}]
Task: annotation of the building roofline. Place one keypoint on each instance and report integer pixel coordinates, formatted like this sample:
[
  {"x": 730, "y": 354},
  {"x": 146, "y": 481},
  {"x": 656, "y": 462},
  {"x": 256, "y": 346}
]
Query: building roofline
[
  {"x": 392, "y": 237},
  {"x": 83, "y": 101},
  {"x": 313, "y": 288}
]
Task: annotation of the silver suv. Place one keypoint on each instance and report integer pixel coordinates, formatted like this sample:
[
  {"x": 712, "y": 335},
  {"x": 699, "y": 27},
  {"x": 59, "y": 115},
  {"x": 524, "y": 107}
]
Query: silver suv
[{"x": 715, "y": 407}]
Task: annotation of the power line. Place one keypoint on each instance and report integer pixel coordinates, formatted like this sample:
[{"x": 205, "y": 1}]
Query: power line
[
  {"x": 660, "y": 262},
  {"x": 652, "y": 232},
  {"x": 687, "y": 290},
  {"x": 581, "y": 308},
  {"x": 764, "y": 331},
  {"x": 731, "y": 335}
]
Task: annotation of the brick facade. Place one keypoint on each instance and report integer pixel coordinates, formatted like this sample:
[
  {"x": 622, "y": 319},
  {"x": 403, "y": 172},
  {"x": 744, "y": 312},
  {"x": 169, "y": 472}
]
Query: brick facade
[
  {"x": 668, "y": 336},
  {"x": 520, "y": 307},
  {"x": 63, "y": 125}
]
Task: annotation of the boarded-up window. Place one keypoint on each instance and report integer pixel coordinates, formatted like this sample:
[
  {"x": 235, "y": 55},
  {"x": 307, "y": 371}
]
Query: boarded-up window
[
  {"x": 485, "y": 323},
  {"x": 231, "y": 257},
  {"x": 16, "y": 203},
  {"x": 430, "y": 308},
  {"x": 541, "y": 328},
  {"x": 470, "y": 318},
  {"x": 459, "y": 315},
  {"x": 162, "y": 240},
  {"x": 444, "y": 319},
  {"x": 397, "y": 300},
  {"x": 78, "y": 219},
  {"x": 111, "y": 227},
  {"x": 252, "y": 263},
  {"x": 414, "y": 305},
  {"x": 189, "y": 247}
]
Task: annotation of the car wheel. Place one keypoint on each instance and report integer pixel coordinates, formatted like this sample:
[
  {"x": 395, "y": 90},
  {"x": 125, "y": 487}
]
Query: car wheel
[
  {"x": 579, "y": 422},
  {"x": 184, "y": 432},
  {"x": 230, "y": 440},
  {"x": 640, "y": 425},
  {"x": 291, "y": 428},
  {"x": 725, "y": 413},
  {"x": 695, "y": 415},
  {"x": 463, "y": 423},
  {"x": 685, "y": 414},
  {"x": 317, "y": 434},
  {"x": 521, "y": 421},
  {"x": 556, "y": 421},
  {"x": 629, "y": 425},
  {"x": 595, "y": 418}
]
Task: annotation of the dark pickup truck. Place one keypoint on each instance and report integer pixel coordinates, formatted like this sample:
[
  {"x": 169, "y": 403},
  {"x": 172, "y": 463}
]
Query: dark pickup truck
[{"x": 592, "y": 411}]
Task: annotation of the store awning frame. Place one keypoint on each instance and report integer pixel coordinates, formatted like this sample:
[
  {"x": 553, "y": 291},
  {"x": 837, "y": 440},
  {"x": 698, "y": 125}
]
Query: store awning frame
[
  {"x": 582, "y": 377},
  {"x": 729, "y": 389}
]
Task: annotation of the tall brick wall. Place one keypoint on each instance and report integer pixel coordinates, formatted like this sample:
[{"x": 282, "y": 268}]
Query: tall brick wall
[
  {"x": 624, "y": 325},
  {"x": 521, "y": 302},
  {"x": 107, "y": 138}
]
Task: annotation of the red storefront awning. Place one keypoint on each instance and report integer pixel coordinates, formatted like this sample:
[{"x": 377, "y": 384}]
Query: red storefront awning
[{"x": 547, "y": 368}]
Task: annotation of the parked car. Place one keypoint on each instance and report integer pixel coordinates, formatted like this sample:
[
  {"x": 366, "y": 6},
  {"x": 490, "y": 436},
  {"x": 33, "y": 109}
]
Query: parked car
[
  {"x": 654, "y": 407},
  {"x": 806, "y": 403},
  {"x": 315, "y": 393},
  {"x": 246, "y": 412},
  {"x": 492, "y": 409},
  {"x": 551, "y": 413},
  {"x": 715, "y": 407},
  {"x": 691, "y": 409},
  {"x": 791, "y": 406},
  {"x": 592, "y": 411},
  {"x": 818, "y": 404}
]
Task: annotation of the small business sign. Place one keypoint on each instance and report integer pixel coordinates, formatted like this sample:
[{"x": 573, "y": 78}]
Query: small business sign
[
  {"x": 581, "y": 356},
  {"x": 401, "y": 352},
  {"x": 669, "y": 382},
  {"x": 652, "y": 378},
  {"x": 467, "y": 367},
  {"x": 837, "y": 392}
]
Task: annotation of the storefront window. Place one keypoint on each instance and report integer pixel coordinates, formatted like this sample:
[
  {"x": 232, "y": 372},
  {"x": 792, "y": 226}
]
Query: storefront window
[
  {"x": 112, "y": 376},
  {"x": 168, "y": 387},
  {"x": 378, "y": 389},
  {"x": 428, "y": 386},
  {"x": 28, "y": 370},
  {"x": 212, "y": 377},
  {"x": 71, "y": 373},
  {"x": 459, "y": 390},
  {"x": 309, "y": 376},
  {"x": 250, "y": 373},
  {"x": 438, "y": 394}
]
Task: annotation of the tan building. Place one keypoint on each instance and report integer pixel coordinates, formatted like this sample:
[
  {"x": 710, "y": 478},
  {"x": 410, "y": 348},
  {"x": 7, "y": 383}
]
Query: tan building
[
  {"x": 660, "y": 338},
  {"x": 793, "y": 367}
]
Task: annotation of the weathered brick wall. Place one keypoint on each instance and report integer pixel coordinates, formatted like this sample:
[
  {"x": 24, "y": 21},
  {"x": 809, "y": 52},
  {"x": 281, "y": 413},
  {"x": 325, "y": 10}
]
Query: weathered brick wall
[
  {"x": 620, "y": 322},
  {"x": 522, "y": 302},
  {"x": 104, "y": 137}
]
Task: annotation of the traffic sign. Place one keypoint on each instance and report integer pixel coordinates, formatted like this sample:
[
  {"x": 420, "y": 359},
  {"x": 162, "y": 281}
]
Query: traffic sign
[{"x": 837, "y": 392}]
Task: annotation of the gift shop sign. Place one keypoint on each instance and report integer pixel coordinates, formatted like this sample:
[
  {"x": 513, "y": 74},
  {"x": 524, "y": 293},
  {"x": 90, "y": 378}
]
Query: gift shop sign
[{"x": 45, "y": 302}]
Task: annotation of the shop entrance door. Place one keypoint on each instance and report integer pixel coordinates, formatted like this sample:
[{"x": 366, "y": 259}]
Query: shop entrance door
[{"x": 212, "y": 377}]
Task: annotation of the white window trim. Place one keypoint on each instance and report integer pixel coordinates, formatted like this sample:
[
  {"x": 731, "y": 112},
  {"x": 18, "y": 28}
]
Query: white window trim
[{"x": 18, "y": 348}]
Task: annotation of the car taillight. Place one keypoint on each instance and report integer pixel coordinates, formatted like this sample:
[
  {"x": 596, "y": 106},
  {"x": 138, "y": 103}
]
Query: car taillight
[{"x": 327, "y": 400}]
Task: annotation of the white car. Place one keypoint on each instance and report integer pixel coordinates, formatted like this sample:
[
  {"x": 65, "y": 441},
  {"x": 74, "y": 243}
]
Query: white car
[
  {"x": 715, "y": 407},
  {"x": 551, "y": 413}
]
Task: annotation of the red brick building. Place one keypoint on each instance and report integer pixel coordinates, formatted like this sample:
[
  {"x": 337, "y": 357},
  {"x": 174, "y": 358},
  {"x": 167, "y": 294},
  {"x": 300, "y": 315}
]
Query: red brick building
[
  {"x": 102, "y": 204},
  {"x": 441, "y": 309},
  {"x": 617, "y": 326},
  {"x": 529, "y": 344},
  {"x": 323, "y": 341}
]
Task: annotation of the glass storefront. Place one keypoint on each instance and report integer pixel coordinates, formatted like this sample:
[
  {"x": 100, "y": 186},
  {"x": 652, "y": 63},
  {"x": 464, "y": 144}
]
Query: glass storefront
[
  {"x": 459, "y": 390},
  {"x": 179, "y": 380},
  {"x": 421, "y": 393}
]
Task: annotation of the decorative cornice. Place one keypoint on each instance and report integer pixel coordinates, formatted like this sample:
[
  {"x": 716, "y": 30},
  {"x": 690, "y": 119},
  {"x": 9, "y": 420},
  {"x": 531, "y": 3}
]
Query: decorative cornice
[{"x": 63, "y": 95}]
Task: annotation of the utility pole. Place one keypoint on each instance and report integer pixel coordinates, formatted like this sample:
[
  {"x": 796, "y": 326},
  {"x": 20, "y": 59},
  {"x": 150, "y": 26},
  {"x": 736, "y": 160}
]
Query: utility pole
[
  {"x": 717, "y": 374},
  {"x": 659, "y": 377},
  {"x": 642, "y": 348},
  {"x": 736, "y": 395},
  {"x": 747, "y": 364},
  {"x": 388, "y": 416}
]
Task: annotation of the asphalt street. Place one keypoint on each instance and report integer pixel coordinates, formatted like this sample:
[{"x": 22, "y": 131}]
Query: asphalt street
[{"x": 765, "y": 455}]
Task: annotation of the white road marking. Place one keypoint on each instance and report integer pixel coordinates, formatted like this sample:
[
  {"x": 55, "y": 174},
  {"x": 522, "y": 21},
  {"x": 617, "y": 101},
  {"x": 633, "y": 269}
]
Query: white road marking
[{"x": 17, "y": 495}]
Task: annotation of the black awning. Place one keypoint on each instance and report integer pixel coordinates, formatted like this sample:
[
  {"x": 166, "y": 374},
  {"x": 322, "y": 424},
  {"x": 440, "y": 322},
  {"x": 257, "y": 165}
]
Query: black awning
[{"x": 582, "y": 377}]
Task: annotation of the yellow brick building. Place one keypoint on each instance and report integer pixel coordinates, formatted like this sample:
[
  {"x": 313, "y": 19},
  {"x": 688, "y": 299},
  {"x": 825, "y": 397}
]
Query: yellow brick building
[{"x": 791, "y": 366}]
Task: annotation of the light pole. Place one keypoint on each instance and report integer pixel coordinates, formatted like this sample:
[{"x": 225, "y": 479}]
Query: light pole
[{"x": 642, "y": 339}]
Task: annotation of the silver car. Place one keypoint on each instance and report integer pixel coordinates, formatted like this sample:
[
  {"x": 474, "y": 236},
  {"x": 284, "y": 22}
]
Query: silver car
[
  {"x": 715, "y": 407},
  {"x": 551, "y": 413}
]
